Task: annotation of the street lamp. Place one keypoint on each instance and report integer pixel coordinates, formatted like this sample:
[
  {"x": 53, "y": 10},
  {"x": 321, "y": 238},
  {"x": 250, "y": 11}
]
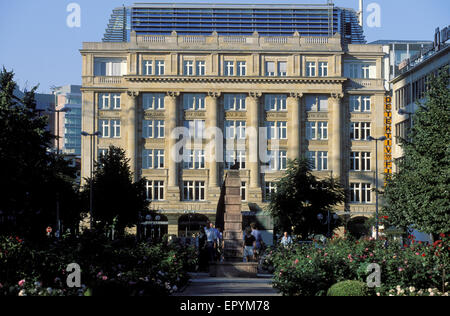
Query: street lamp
[
  {"x": 91, "y": 194},
  {"x": 376, "y": 177}
]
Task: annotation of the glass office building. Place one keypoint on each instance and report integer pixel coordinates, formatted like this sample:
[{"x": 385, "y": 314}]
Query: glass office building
[{"x": 234, "y": 19}]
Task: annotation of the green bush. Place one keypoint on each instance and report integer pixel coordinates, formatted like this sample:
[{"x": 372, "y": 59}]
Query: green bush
[{"x": 348, "y": 288}]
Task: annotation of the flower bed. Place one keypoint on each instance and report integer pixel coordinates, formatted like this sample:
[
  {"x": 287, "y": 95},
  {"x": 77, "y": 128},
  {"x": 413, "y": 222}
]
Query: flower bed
[
  {"x": 107, "y": 268},
  {"x": 311, "y": 270}
]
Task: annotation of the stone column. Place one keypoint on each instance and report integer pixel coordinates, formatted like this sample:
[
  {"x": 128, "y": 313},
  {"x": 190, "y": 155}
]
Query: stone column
[
  {"x": 253, "y": 132},
  {"x": 294, "y": 103},
  {"x": 170, "y": 103},
  {"x": 131, "y": 129},
  {"x": 336, "y": 134},
  {"x": 212, "y": 122}
]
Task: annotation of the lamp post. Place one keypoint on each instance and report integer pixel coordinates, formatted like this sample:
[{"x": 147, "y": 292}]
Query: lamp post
[
  {"x": 91, "y": 194},
  {"x": 376, "y": 181},
  {"x": 65, "y": 110}
]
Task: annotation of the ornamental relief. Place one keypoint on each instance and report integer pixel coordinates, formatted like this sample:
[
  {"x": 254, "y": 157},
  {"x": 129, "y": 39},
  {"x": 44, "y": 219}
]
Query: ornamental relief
[
  {"x": 148, "y": 115},
  {"x": 111, "y": 114},
  {"x": 317, "y": 115},
  {"x": 154, "y": 143},
  {"x": 192, "y": 115},
  {"x": 317, "y": 143},
  {"x": 276, "y": 116},
  {"x": 235, "y": 115}
]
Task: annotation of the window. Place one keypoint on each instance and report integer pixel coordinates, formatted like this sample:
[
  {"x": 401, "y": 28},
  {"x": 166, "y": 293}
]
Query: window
[
  {"x": 233, "y": 156},
  {"x": 188, "y": 68},
  {"x": 102, "y": 152},
  {"x": 269, "y": 189},
  {"x": 235, "y": 129},
  {"x": 241, "y": 68},
  {"x": 282, "y": 69},
  {"x": 360, "y": 70},
  {"x": 318, "y": 160},
  {"x": 360, "y": 193},
  {"x": 360, "y": 103},
  {"x": 194, "y": 159},
  {"x": 235, "y": 102},
  {"x": 148, "y": 129},
  {"x": 278, "y": 160},
  {"x": 243, "y": 191},
  {"x": 316, "y": 103},
  {"x": 365, "y": 71},
  {"x": 275, "y": 102},
  {"x": 194, "y": 102},
  {"x": 108, "y": 101},
  {"x": 159, "y": 129},
  {"x": 153, "y": 101},
  {"x": 323, "y": 69},
  {"x": 270, "y": 68},
  {"x": 155, "y": 190},
  {"x": 196, "y": 128},
  {"x": 276, "y": 130},
  {"x": 110, "y": 128},
  {"x": 317, "y": 130},
  {"x": 160, "y": 67},
  {"x": 153, "y": 159},
  {"x": 110, "y": 67},
  {"x": 229, "y": 68},
  {"x": 360, "y": 130},
  {"x": 201, "y": 68},
  {"x": 354, "y": 71},
  {"x": 310, "y": 69},
  {"x": 194, "y": 190},
  {"x": 360, "y": 161},
  {"x": 147, "y": 67}
]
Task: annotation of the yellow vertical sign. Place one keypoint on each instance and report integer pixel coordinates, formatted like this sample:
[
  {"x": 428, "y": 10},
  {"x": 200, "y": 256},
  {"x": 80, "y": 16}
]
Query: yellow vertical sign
[{"x": 388, "y": 135}]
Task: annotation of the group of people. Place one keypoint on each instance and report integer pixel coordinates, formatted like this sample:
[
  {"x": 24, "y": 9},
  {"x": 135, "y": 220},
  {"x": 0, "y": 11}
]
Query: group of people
[{"x": 253, "y": 243}]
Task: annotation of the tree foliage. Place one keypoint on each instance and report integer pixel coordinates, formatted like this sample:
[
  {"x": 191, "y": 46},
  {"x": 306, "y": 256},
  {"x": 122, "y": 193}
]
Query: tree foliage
[
  {"x": 33, "y": 177},
  {"x": 116, "y": 197},
  {"x": 418, "y": 196},
  {"x": 300, "y": 197}
]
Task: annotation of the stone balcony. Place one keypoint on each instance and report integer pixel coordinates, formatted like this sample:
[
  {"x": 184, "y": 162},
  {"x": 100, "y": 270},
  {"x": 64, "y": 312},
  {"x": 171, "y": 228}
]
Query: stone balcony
[{"x": 365, "y": 84}]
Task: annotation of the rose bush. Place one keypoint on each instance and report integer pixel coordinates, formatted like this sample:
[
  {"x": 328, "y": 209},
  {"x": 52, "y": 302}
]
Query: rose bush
[
  {"x": 307, "y": 270},
  {"x": 107, "y": 268}
]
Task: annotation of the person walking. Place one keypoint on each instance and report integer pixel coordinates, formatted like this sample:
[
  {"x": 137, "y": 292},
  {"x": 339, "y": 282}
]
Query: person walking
[
  {"x": 259, "y": 245},
  {"x": 202, "y": 252},
  {"x": 211, "y": 241},
  {"x": 249, "y": 245}
]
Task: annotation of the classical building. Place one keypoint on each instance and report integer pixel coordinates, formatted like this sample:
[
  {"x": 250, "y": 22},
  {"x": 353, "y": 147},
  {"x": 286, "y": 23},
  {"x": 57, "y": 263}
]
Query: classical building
[{"x": 313, "y": 96}]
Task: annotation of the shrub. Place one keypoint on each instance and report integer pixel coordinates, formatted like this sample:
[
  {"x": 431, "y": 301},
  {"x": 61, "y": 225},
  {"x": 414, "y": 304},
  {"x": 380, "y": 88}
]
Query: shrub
[{"x": 348, "y": 288}]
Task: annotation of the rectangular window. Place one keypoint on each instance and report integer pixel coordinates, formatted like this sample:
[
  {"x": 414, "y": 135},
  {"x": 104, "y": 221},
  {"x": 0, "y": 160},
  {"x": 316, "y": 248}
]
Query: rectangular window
[
  {"x": 194, "y": 190},
  {"x": 194, "y": 159},
  {"x": 276, "y": 102},
  {"x": 235, "y": 129},
  {"x": 241, "y": 68},
  {"x": 196, "y": 128},
  {"x": 160, "y": 68},
  {"x": 194, "y": 101},
  {"x": 115, "y": 128},
  {"x": 360, "y": 103},
  {"x": 105, "y": 128},
  {"x": 110, "y": 67},
  {"x": 323, "y": 69},
  {"x": 229, "y": 68},
  {"x": 360, "y": 192},
  {"x": 153, "y": 101},
  {"x": 316, "y": 103},
  {"x": 160, "y": 129},
  {"x": 360, "y": 130},
  {"x": 153, "y": 159},
  {"x": 116, "y": 101},
  {"x": 270, "y": 68},
  {"x": 355, "y": 192},
  {"x": 235, "y": 102},
  {"x": 323, "y": 130},
  {"x": 235, "y": 156},
  {"x": 311, "y": 130},
  {"x": 155, "y": 190},
  {"x": 201, "y": 68},
  {"x": 282, "y": 130},
  {"x": 269, "y": 189},
  {"x": 271, "y": 130},
  {"x": 104, "y": 101},
  {"x": 147, "y": 129},
  {"x": 282, "y": 69},
  {"x": 188, "y": 68},
  {"x": 310, "y": 69},
  {"x": 243, "y": 191},
  {"x": 317, "y": 130},
  {"x": 147, "y": 67},
  {"x": 355, "y": 158},
  {"x": 322, "y": 160},
  {"x": 278, "y": 160}
]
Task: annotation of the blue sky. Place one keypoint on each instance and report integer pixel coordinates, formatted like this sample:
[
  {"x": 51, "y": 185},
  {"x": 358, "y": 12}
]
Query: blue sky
[{"x": 37, "y": 44}]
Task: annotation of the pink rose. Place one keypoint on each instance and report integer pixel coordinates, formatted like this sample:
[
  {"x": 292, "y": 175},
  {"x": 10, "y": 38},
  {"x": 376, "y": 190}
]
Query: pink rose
[
  {"x": 104, "y": 278},
  {"x": 21, "y": 283}
]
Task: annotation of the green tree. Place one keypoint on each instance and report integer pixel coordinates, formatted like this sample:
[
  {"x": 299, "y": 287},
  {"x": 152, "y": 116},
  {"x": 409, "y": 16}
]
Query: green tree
[
  {"x": 116, "y": 198},
  {"x": 300, "y": 197},
  {"x": 33, "y": 178},
  {"x": 418, "y": 195}
]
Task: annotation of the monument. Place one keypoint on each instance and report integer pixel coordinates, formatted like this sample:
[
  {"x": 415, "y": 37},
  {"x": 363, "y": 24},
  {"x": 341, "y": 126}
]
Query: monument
[{"x": 233, "y": 265}]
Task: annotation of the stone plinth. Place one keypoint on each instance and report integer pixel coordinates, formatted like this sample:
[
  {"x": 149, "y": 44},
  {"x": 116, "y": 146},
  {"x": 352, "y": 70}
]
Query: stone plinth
[
  {"x": 234, "y": 270},
  {"x": 233, "y": 243}
]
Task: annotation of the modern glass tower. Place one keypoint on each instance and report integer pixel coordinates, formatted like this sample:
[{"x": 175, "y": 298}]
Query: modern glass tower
[{"x": 234, "y": 19}]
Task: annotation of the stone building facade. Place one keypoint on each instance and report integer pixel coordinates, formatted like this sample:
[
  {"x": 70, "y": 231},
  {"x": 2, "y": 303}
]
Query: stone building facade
[{"x": 314, "y": 96}]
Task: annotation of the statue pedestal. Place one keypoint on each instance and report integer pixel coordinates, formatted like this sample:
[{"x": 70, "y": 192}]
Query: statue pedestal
[{"x": 234, "y": 269}]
